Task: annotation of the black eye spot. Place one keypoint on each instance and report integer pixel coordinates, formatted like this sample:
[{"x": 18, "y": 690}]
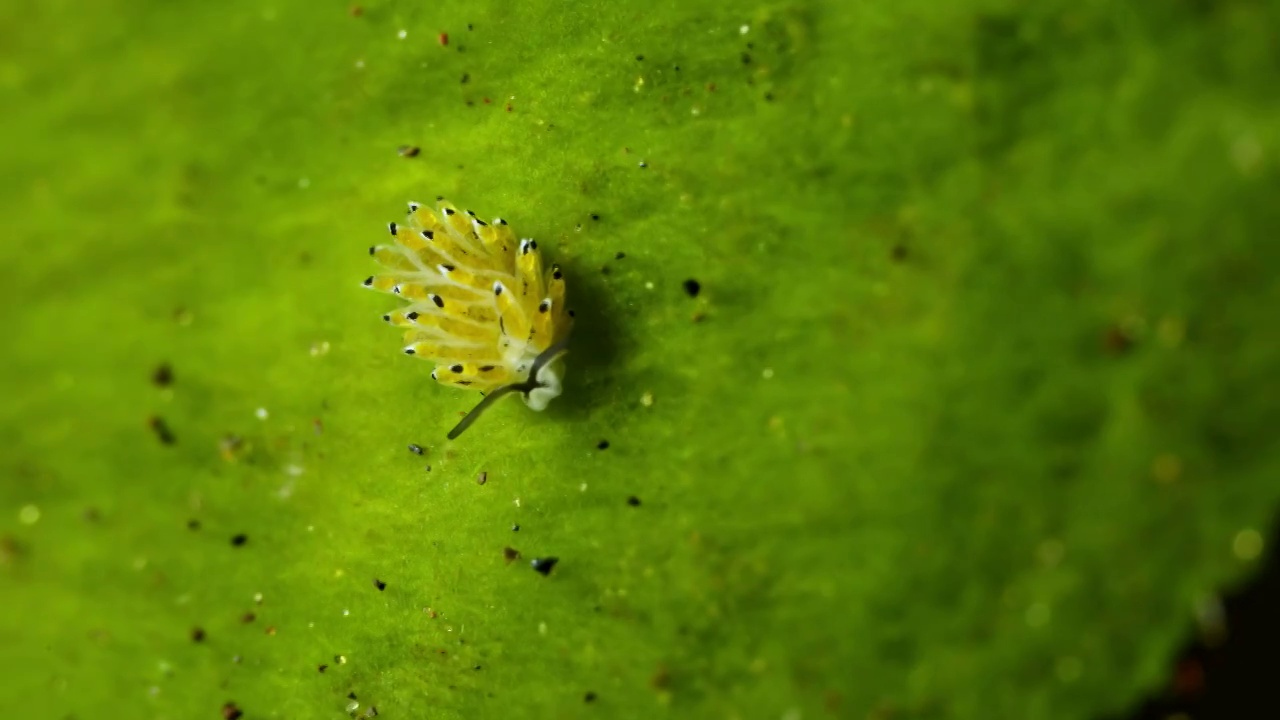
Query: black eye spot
[
  {"x": 437, "y": 300},
  {"x": 480, "y": 222},
  {"x": 486, "y": 368},
  {"x": 387, "y": 318},
  {"x": 463, "y": 382},
  {"x": 455, "y": 368},
  {"x": 408, "y": 351},
  {"x": 412, "y": 316},
  {"x": 544, "y": 306},
  {"x": 372, "y": 249},
  {"x": 392, "y": 228},
  {"x": 499, "y": 221},
  {"x": 428, "y": 235},
  {"x": 497, "y": 289},
  {"x": 447, "y": 268},
  {"x": 368, "y": 281},
  {"x": 448, "y": 211},
  {"x": 468, "y": 212}
]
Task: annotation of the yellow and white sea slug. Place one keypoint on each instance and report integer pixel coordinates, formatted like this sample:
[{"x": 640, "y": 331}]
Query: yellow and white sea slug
[{"x": 480, "y": 305}]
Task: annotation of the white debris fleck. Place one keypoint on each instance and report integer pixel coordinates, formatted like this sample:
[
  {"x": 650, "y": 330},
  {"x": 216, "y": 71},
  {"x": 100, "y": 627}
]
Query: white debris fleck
[
  {"x": 320, "y": 348},
  {"x": 261, "y": 413},
  {"x": 304, "y": 183},
  {"x": 744, "y": 29},
  {"x": 345, "y": 612},
  {"x": 402, "y": 34},
  {"x": 360, "y": 64},
  {"x": 647, "y": 399},
  {"x": 767, "y": 373}
]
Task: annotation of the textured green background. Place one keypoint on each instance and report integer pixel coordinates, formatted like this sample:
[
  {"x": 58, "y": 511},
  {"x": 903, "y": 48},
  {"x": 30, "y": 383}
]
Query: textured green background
[{"x": 973, "y": 406}]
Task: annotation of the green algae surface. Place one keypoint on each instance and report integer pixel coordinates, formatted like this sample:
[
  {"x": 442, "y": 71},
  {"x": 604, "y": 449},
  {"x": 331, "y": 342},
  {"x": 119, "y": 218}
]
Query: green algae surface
[{"x": 967, "y": 418}]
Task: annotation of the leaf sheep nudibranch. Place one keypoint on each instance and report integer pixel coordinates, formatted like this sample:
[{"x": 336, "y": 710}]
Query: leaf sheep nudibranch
[{"x": 481, "y": 307}]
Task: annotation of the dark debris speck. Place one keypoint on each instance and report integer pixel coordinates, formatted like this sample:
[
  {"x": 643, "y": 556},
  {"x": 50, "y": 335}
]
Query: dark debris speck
[
  {"x": 589, "y": 697},
  {"x": 515, "y": 528},
  {"x": 692, "y": 287},
  {"x": 231, "y": 712},
  {"x": 197, "y": 634},
  {"x": 162, "y": 376},
  {"x": 633, "y": 501},
  {"x": 620, "y": 255},
  {"x": 248, "y": 618},
  {"x": 482, "y": 478},
  {"x": 602, "y": 445},
  {"x": 408, "y": 150},
  {"x": 193, "y": 524},
  {"x": 321, "y": 668},
  {"x": 510, "y": 554},
  {"x": 239, "y": 539},
  {"x": 379, "y": 584},
  {"x": 161, "y": 429},
  {"x": 416, "y": 449},
  {"x": 543, "y": 565}
]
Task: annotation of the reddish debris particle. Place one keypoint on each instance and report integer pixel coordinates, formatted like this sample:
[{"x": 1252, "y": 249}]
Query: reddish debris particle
[
  {"x": 661, "y": 678},
  {"x": 543, "y": 565},
  {"x": 633, "y": 501},
  {"x": 1117, "y": 341},
  {"x": 239, "y": 539},
  {"x": 508, "y": 107},
  {"x": 163, "y": 375},
  {"x": 231, "y": 712},
  {"x": 510, "y": 554},
  {"x": 711, "y": 87},
  {"x": 161, "y": 429},
  {"x": 443, "y": 38},
  {"x": 408, "y": 150},
  {"x": 487, "y": 101},
  {"x": 1188, "y": 679},
  {"x": 271, "y": 630},
  {"x": 248, "y": 618},
  {"x": 379, "y": 584},
  {"x": 356, "y": 11}
]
